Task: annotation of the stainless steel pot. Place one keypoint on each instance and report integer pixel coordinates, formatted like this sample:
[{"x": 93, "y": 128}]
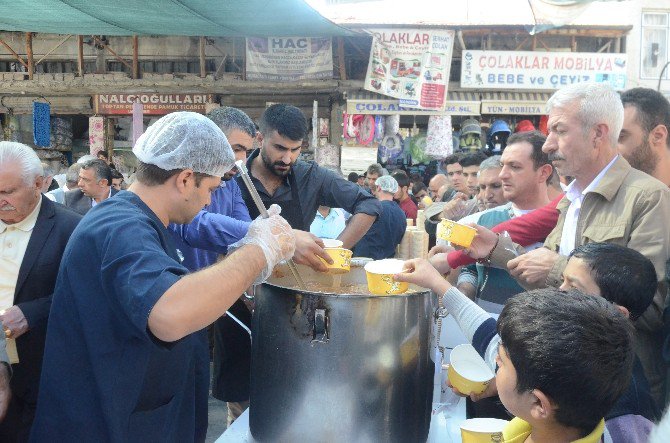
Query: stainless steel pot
[{"x": 331, "y": 367}]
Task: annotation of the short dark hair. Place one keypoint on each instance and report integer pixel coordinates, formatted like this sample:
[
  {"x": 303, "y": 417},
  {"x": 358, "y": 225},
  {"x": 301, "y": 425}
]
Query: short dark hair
[
  {"x": 116, "y": 174},
  {"x": 452, "y": 159},
  {"x": 418, "y": 187},
  {"x": 152, "y": 175},
  {"x": 402, "y": 178},
  {"x": 575, "y": 348},
  {"x": 536, "y": 139},
  {"x": 473, "y": 159},
  {"x": 103, "y": 153},
  {"x": 228, "y": 118},
  {"x": 287, "y": 120},
  {"x": 100, "y": 168},
  {"x": 652, "y": 107},
  {"x": 352, "y": 177},
  {"x": 624, "y": 276}
]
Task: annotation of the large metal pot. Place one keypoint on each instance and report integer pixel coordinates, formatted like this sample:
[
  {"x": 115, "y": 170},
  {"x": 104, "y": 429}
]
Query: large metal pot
[{"x": 329, "y": 367}]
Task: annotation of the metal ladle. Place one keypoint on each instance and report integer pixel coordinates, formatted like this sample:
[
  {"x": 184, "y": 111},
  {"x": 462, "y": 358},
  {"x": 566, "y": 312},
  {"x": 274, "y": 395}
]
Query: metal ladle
[{"x": 244, "y": 173}]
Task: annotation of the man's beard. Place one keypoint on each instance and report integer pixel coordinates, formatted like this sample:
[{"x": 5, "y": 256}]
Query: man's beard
[
  {"x": 644, "y": 158},
  {"x": 272, "y": 166}
]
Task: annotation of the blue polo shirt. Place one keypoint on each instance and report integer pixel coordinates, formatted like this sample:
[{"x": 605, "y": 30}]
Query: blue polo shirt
[
  {"x": 105, "y": 377},
  {"x": 330, "y": 226}
]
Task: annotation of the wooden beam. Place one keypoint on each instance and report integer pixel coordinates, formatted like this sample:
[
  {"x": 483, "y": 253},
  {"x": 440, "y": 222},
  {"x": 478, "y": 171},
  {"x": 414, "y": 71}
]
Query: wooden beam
[
  {"x": 606, "y": 47},
  {"x": 53, "y": 49},
  {"x": 136, "y": 58},
  {"x": 17, "y": 56},
  {"x": 573, "y": 44},
  {"x": 340, "y": 58},
  {"x": 111, "y": 51},
  {"x": 522, "y": 44},
  {"x": 218, "y": 69},
  {"x": 80, "y": 55},
  {"x": 203, "y": 66},
  {"x": 29, "y": 55}
]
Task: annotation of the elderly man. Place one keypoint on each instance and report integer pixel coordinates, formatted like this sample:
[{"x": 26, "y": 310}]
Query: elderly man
[
  {"x": 386, "y": 232},
  {"x": 33, "y": 235},
  {"x": 608, "y": 201},
  {"x": 71, "y": 179},
  {"x": 95, "y": 185},
  {"x": 119, "y": 359},
  {"x": 491, "y": 192},
  {"x": 300, "y": 187},
  {"x": 218, "y": 225}
]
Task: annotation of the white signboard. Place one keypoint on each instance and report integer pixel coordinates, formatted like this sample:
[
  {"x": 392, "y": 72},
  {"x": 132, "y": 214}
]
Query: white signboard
[
  {"x": 540, "y": 70},
  {"x": 411, "y": 65},
  {"x": 287, "y": 59},
  {"x": 392, "y": 107}
]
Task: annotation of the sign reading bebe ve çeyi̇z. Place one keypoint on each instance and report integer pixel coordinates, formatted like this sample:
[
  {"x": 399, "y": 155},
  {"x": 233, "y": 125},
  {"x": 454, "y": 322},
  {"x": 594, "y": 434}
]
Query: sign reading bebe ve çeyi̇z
[
  {"x": 411, "y": 65},
  {"x": 540, "y": 70}
]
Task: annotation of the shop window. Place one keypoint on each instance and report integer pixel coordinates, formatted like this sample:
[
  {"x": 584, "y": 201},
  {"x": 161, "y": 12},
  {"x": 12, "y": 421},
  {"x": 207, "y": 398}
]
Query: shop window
[{"x": 654, "y": 44}]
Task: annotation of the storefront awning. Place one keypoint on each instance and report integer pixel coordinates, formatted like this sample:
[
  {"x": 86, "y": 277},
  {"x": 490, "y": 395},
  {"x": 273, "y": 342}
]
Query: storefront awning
[
  {"x": 514, "y": 103},
  {"x": 364, "y": 102}
]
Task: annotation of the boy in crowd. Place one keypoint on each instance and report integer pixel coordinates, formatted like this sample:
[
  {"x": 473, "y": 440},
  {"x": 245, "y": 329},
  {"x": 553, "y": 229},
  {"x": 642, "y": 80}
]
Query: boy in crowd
[{"x": 627, "y": 282}]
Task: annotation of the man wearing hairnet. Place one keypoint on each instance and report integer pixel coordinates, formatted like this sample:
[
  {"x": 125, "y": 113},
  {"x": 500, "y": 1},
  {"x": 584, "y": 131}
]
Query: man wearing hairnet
[
  {"x": 119, "y": 358},
  {"x": 386, "y": 232}
]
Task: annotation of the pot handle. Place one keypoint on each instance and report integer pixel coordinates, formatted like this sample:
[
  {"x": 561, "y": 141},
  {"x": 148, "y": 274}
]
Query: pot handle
[{"x": 320, "y": 333}]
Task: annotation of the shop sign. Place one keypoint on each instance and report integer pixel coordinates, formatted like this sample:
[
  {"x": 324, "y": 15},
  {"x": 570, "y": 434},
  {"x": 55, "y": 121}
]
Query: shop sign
[
  {"x": 287, "y": 59},
  {"x": 393, "y": 107},
  {"x": 540, "y": 70},
  {"x": 513, "y": 108},
  {"x": 154, "y": 104},
  {"x": 411, "y": 65}
]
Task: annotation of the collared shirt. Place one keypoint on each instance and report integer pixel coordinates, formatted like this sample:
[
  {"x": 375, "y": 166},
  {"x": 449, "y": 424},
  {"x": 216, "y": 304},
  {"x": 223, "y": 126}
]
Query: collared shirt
[
  {"x": 330, "y": 226},
  {"x": 93, "y": 202},
  {"x": 317, "y": 186},
  {"x": 14, "y": 240},
  {"x": 576, "y": 198},
  {"x": 518, "y": 430}
]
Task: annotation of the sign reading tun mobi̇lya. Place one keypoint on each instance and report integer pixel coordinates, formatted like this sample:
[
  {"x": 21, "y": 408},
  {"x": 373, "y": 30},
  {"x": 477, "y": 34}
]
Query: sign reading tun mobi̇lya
[{"x": 153, "y": 103}]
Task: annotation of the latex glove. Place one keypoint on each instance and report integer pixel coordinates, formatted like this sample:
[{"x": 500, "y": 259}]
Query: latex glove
[
  {"x": 275, "y": 238},
  {"x": 13, "y": 322}
]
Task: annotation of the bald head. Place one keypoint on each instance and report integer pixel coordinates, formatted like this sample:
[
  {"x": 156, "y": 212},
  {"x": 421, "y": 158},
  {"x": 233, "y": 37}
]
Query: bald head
[{"x": 435, "y": 184}]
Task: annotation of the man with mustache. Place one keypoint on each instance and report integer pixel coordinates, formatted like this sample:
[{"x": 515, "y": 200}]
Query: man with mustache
[
  {"x": 608, "y": 201},
  {"x": 300, "y": 187}
]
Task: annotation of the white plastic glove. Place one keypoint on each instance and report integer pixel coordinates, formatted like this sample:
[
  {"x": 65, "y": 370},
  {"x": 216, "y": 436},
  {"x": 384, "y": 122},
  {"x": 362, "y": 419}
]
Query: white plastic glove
[{"x": 275, "y": 238}]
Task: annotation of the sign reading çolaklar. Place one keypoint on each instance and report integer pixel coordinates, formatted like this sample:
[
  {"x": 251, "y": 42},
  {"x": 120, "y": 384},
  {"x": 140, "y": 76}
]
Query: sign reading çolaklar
[
  {"x": 411, "y": 65},
  {"x": 287, "y": 59},
  {"x": 540, "y": 70}
]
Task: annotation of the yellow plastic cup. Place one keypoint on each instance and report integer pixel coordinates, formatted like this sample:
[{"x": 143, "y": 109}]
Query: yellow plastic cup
[
  {"x": 483, "y": 430},
  {"x": 341, "y": 260},
  {"x": 380, "y": 277},
  {"x": 456, "y": 233},
  {"x": 468, "y": 372}
]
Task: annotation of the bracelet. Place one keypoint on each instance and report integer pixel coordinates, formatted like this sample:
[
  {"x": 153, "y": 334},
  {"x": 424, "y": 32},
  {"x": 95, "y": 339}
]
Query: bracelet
[{"x": 487, "y": 260}]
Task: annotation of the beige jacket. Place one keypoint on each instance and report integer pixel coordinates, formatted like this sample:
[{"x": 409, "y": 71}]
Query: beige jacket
[{"x": 629, "y": 208}]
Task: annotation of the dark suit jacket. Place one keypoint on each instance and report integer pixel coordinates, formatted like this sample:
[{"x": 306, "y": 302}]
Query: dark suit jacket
[
  {"x": 77, "y": 201},
  {"x": 34, "y": 289}
]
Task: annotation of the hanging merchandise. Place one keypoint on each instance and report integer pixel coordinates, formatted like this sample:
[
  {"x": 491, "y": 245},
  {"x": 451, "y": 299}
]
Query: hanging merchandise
[
  {"x": 498, "y": 135},
  {"x": 61, "y": 133},
  {"x": 96, "y": 134},
  {"x": 524, "y": 126},
  {"x": 417, "y": 148},
  {"x": 471, "y": 134},
  {"x": 390, "y": 149},
  {"x": 392, "y": 125},
  {"x": 379, "y": 128},
  {"x": 349, "y": 127},
  {"x": 138, "y": 121},
  {"x": 366, "y": 129},
  {"x": 42, "y": 124},
  {"x": 439, "y": 142},
  {"x": 542, "y": 127}
]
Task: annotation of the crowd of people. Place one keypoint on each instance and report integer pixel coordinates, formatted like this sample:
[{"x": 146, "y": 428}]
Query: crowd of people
[{"x": 107, "y": 295}]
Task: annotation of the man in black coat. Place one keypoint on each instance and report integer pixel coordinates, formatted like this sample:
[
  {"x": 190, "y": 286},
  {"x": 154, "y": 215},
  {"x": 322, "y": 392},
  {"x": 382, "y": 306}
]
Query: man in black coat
[
  {"x": 33, "y": 235},
  {"x": 95, "y": 185}
]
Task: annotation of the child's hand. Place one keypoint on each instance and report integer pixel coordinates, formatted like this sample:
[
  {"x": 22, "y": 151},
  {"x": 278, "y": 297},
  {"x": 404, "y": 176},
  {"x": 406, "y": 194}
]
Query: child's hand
[{"x": 421, "y": 273}]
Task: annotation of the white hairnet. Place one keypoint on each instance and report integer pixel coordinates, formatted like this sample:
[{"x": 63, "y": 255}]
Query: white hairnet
[
  {"x": 387, "y": 183},
  {"x": 186, "y": 140}
]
